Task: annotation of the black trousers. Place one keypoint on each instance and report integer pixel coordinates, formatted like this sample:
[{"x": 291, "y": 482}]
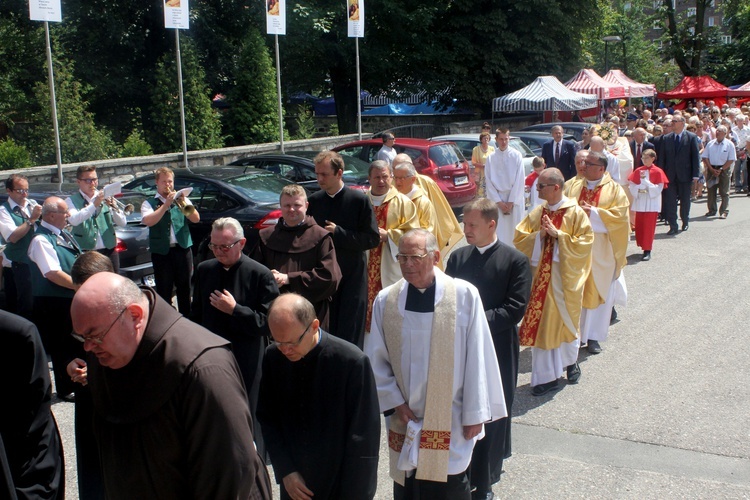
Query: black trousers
[
  {"x": 52, "y": 319},
  {"x": 114, "y": 257},
  {"x": 174, "y": 270},
  {"x": 672, "y": 193},
  {"x": 456, "y": 488},
  {"x": 18, "y": 297}
]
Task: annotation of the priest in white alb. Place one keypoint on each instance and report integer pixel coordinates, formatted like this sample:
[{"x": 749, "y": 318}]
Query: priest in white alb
[
  {"x": 430, "y": 333},
  {"x": 505, "y": 183}
]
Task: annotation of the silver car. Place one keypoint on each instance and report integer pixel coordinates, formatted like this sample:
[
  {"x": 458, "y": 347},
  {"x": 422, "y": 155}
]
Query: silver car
[{"x": 467, "y": 142}]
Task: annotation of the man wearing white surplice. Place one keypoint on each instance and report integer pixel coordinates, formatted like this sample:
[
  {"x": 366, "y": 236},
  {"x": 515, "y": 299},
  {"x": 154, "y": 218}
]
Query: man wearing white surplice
[
  {"x": 504, "y": 176},
  {"x": 429, "y": 332}
]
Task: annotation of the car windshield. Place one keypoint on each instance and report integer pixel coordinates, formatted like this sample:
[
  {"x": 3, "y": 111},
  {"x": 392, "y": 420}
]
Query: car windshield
[
  {"x": 521, "y": 147},
  {"x": 445, "y": 154},
  {"x": 352, "y": 165},
  {"x": 260, "y": 188}
]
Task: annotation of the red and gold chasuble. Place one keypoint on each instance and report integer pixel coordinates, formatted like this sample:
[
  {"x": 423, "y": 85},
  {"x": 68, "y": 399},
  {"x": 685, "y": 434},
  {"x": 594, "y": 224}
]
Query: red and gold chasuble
[
  {"x": 533, "y": 315},
  {"x": 590, "y": 197},
  {"x": 374, "y": 283}
]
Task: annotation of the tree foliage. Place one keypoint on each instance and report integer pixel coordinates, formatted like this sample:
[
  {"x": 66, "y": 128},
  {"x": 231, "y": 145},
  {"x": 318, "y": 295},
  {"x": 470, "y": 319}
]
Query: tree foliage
[
  {"x": 80, "y": 138},
  {"x": 730, "y": 62},
  {"x": 13, "y": 155},
  {"x": 203, "y": 128},
  {"x": 252, "y": 116}
]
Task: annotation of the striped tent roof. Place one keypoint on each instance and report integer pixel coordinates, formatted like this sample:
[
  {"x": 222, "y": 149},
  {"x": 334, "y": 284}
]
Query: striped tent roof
[
  {"x": 588, "y": 82},
  {"x": 546, "y": 93},
  {"x": 632, "y": 88},
  {"x": 744, "y": 87}
]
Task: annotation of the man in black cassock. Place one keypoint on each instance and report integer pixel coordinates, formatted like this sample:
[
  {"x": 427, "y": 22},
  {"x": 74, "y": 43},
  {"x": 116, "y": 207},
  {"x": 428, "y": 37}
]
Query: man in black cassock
[
  {"x": 30, "y": 448},
  {"x": 319, "y": 408},
  {"x": 503, "y": 277},
  {"x": 348, "y": 215},
  {"x": 231, "y": 297}
]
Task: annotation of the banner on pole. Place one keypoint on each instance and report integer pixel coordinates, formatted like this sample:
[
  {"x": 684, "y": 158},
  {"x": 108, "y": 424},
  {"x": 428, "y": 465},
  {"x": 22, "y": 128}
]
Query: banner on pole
[
  {"x": 45, "y": 10},
  {"x": 355, "y": 16},
  {"x": 276, "y": 17},
  {"x": 176, "y": 14}
]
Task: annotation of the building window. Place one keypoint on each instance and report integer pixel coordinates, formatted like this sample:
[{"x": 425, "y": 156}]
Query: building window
[
  {"x": 627, "y": 6},
  {"x": 657, "y": 25},
  {"x": 661, "y": 44},
  {"x": 726, "y": 39},
  {"x": 657, "y": 4},
  {"x": 711, "y": 4},
  {"x": 712, "y": 21},
  {"x": 691, "y": 12}
]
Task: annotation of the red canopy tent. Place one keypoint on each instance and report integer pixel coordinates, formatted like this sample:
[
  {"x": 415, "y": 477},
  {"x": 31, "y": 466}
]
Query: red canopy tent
[
  {"x": 588, "y": 82},
  {"x": 632, "y": 88},
  {"x": 702, "y": 87}
]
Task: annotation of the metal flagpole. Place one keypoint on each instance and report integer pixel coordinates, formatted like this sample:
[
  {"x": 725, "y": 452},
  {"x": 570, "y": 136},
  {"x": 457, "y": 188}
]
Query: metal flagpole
[
  {"x": 182, "y": 98},
  {"x": 53, "y": 105},
  {"x": 359, "y": 93},
  {"x": 278, "y": 94}
]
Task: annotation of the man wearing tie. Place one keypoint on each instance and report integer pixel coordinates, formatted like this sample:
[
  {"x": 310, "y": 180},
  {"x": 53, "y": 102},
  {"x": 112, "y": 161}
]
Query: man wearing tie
[
  {"x": 94, "y": 221},
  {"x": 638, "y": 146},
  {"x": 680, "y": 155},
  {"x": 52, "y": 252},
  {"x": 560, "y": 153},
  {"x": 18, "y": 216}
]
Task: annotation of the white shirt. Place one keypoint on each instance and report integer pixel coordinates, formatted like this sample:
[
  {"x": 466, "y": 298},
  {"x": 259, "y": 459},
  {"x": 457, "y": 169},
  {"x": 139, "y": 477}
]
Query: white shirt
[
  {"x": 42, "y": 253},
  {"x": 7, "y": 226},
  {"x": 387, "y": 154},
  {"x": 79, "y": 216},
  {"x": 718, "y": 153}
]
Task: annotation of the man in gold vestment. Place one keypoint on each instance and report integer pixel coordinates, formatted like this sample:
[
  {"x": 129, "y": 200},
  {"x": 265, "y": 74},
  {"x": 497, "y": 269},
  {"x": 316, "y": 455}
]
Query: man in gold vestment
[
  {"x": 557, "y": 237},
  {"x": 606, "y": 204}
]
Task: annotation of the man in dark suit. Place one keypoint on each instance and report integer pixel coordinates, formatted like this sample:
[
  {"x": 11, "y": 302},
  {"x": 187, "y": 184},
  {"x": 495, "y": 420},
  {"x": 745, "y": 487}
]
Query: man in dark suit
[
  {"x": 679, "y": 157},
  {"x": 503, "y": 277},
  {"x": 639, "y": 145},
  {"x": 560, "y": 153}
]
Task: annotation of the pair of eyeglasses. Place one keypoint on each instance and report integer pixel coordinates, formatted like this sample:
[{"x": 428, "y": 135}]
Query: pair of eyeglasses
[
  {"x": 539, "y": 187},
  {"x": 90, "y": 181},
  {"x": 403, "y": 259},
  {"x": 592, "y": 164},
  {"x": 100, "y": 338},
  {"x": 297, "y": 342},
  {"x": 20, "y": 191},
  {"x": 223, "y": 248}
]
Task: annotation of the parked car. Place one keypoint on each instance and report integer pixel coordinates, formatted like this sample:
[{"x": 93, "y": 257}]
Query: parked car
[
  {"x": 467, "y": 142},
  {"x": 298, "y": 167},
  {"x": 132, "y": 240},
  {"x": 441, "y": 160},
  {"x": 251, "y": 196},
  {"x": 570, "y": 128},
  {"x": 535, "y": 140}
]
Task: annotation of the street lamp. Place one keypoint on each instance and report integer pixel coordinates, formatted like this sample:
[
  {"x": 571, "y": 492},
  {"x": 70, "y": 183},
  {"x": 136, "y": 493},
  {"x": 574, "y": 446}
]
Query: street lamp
[
  {"x": 666, "y": 82},
  {"x": 606, "y": 40}
]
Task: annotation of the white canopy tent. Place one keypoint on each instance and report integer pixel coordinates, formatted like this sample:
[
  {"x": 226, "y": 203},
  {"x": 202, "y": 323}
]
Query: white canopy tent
[{"x": 546, "y": 93}]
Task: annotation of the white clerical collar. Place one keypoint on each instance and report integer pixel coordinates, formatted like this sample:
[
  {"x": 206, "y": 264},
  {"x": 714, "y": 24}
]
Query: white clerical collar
[
  {"x": 54, "y": 229},
  {"x": 487, "y": 247},
  {"x": 377, "y": 200},
  {"x": 553, "y": 208},
  {"x": 593, "y": 184},
  {"x": 337, "y": 192},
  {"x": 413, "y": 191}
]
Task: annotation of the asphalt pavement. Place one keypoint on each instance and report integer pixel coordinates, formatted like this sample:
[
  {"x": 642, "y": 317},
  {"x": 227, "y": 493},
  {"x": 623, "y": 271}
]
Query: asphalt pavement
[{"x": 664, "y": 411}]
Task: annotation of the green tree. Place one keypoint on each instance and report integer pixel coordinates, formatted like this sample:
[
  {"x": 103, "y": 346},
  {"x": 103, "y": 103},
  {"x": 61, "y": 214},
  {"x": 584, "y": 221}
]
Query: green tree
[
  {"x": 136, "y": 145},
  {"x": 730, "y": 62},
  {"x": 13, "y": 156},
  {"x": 203, "y": 128},
  {"x": 685, "y": 38},
  {"x": 80, "y": 138},
  {"x": 252, "y": 116}
]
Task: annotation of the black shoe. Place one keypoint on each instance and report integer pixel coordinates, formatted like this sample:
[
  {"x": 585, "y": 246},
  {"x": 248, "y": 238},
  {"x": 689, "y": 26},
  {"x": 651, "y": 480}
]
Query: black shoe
[
  {"x": 594, "y": 347},
  {"x": 485, "y": 495},
  {"x": 672, "y": 231},
  {"x": 542, "y": 389},
  {"x": 685, "y": 226},
  {"x": 613, "y": 316},
  {"x": 574, "y": 373},
  {"x": 710, "y": 214},
  {"x": 646, "y": 255}
]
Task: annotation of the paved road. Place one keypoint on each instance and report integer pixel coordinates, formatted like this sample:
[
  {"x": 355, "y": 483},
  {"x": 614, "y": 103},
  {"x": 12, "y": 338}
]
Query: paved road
[{"x": 664, "y": 411}]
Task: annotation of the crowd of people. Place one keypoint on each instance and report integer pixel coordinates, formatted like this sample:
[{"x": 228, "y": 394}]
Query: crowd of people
[{"x": 355, "y": 305}]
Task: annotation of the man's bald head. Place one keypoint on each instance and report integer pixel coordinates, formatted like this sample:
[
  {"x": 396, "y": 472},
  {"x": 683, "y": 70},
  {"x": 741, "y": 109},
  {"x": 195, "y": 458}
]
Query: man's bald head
[
  {"x": 597, "y": 144},
  {"x": 550, "y": 185},
  {"x": 293, "y": 325},
  {"x": 399, "y": 159}
]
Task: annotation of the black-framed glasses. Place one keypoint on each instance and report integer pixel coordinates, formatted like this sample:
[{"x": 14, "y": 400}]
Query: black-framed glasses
[
  {"x": 90, "y": 181},
  {"x": 403, "y": 259},
  {"x": 99, "y": 338},
  {"x": 223, "y": 248},
  {"x": 539, "y": 187},
  {"x": 20, "y": 191},
  {"x": 297, "y": 342},
  {"x": 587, "y": 164}
]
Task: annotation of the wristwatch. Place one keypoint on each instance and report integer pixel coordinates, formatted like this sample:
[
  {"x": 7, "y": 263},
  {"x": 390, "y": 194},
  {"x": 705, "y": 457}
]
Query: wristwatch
[{"x": 31, "y": 224}]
